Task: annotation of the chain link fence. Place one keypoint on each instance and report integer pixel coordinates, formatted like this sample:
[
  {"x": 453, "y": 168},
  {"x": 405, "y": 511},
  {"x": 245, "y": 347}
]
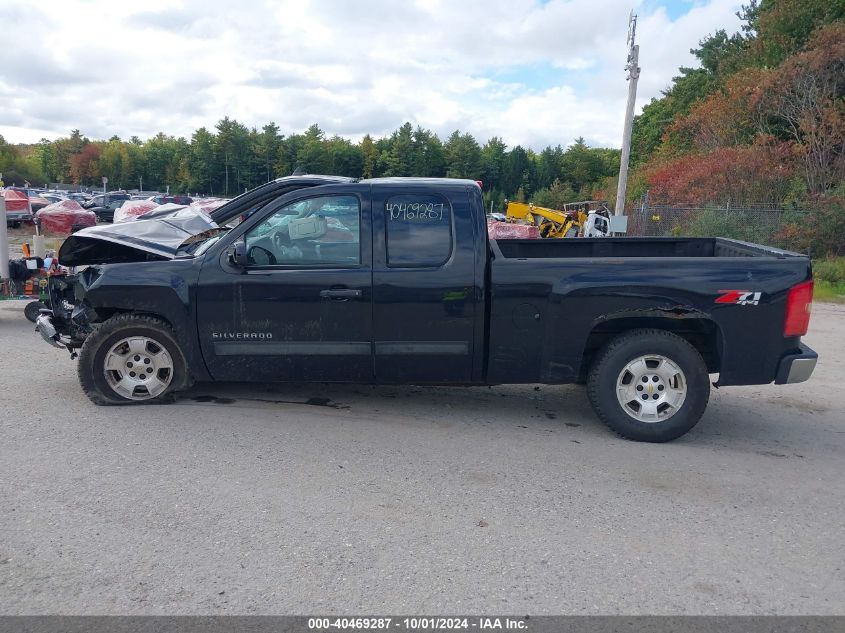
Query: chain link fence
[{"x": 759, "y": 223}]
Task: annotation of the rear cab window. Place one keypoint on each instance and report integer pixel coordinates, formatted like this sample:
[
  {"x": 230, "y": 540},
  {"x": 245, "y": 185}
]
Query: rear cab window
[{"x": 418, "y": 230}]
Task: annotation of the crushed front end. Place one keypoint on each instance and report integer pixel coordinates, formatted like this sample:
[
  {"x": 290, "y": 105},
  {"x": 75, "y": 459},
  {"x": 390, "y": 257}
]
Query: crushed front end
[{"x": 68, "y": 319}]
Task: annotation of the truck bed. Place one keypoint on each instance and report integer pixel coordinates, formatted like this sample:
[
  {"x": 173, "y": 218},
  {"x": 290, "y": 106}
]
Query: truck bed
[
  {"x": 632, "y": 247},
  {"x": 553, "y": 302}
]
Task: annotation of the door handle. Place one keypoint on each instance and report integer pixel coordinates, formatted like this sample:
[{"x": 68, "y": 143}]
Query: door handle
[{"x": 341, "y": 294}]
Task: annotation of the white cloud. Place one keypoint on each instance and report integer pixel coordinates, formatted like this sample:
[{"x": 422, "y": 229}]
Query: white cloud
[{"x": 353, "y": 67}]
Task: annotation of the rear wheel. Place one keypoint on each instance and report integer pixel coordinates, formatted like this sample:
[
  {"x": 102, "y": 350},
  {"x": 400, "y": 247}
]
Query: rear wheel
[
  {"x": 131, "y": 359},
  {"x": 649, "y": 385}
]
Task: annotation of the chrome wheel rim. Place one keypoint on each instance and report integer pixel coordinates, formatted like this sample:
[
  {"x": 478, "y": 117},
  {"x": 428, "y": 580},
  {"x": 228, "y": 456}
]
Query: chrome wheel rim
[
  {"x": 651, "y": 388},
  {"x": 138, "y": 368}
]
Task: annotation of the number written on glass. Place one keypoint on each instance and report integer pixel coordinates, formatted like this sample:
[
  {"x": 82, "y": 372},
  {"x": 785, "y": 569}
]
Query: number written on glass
[{"x": 420, "y": 211}]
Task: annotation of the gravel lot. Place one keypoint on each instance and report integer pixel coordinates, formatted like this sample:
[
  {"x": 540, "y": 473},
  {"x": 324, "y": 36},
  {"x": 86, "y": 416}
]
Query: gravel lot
[{"x": 247, "y": 499}]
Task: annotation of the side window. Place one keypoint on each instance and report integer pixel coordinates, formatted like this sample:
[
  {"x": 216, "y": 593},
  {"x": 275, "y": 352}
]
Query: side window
[
  {"x": 419, "y": 230},
  {"x": 322, "y": 231}
]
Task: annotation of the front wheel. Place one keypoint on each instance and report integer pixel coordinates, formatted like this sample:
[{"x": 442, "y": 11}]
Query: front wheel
[
  {"x": 649, "y": 385},
  {"x": 131, "y": 359}
]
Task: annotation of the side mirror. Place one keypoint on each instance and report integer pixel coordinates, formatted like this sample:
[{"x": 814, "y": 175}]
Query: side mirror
[{"x": 236, "y": 254}]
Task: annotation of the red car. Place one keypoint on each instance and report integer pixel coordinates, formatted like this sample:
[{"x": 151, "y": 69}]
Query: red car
[
  {"x": 65, "y": 217},
  {"x": 18, "y": 208}
]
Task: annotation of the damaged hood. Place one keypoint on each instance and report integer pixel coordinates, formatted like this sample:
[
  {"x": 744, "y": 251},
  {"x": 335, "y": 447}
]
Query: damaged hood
[{"x": 157, "y": 237}]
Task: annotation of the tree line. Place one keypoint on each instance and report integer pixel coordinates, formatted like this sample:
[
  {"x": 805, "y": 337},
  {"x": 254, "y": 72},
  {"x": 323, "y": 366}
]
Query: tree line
[
  {"x": 232, "y": 157},
  {"x": 762, "y": 120}
]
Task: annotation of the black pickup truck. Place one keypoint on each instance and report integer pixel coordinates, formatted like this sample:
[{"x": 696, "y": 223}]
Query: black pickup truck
[{"x": 331, "y": 279}]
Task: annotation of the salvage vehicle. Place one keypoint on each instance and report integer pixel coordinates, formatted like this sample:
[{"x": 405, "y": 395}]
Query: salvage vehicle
[
  {"x": 171, "y": 199},
  {"x": 104, "y": 205},
  {"x": 38, "y": 202},
  {"x": 395, "y": 280},
  {"x": 18, "y": 209}
]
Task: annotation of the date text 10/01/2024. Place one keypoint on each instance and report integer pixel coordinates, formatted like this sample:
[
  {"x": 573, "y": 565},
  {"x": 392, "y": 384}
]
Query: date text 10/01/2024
[{"x": 418, "y": 623}]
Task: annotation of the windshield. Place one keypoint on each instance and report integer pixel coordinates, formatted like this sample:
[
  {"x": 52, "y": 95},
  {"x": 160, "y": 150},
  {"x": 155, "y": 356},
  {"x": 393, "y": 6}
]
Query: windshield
[{"x": 199, "y": 244}]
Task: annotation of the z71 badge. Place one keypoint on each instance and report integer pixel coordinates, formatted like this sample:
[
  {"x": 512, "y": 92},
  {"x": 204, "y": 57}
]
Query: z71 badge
[{"x": 740, "y": 297}]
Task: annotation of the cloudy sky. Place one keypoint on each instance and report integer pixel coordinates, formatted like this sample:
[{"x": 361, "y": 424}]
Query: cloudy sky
[{"x": 533, "y": 72}]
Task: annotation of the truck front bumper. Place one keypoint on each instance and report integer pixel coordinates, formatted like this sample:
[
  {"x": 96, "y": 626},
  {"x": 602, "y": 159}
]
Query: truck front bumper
[
  {"x": 796, "y": 367},
  {"x": 44, "y": 326}
]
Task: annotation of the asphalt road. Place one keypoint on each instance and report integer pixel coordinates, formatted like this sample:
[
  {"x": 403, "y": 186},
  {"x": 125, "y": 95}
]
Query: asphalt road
[{"x": 247, "y": 499}]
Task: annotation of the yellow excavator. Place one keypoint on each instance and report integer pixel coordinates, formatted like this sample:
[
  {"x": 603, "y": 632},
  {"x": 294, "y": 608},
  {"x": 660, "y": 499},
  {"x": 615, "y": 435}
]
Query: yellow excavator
[{"x": 555, "y": 223}]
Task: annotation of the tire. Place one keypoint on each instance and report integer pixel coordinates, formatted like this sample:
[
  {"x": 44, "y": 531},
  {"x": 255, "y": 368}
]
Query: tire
[
  {"x": 32, "y": 310},
  {"x": 649, "y": 385},
  {"x": 149, "y": 348}
]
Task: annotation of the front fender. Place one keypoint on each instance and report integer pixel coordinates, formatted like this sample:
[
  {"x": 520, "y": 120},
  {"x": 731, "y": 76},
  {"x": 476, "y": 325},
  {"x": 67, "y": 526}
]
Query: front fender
[{"x": 162, "y": 288}]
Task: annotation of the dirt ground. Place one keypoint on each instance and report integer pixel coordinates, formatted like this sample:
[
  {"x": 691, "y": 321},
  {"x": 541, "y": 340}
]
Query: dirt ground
[{"x": 23, "y": 235}]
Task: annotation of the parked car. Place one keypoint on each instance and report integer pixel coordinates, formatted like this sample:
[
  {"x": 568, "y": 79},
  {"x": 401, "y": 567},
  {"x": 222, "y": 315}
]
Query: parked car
[
  {"x": 396, "y": 281},
  {"x": 132, "y": 209},
  {"x": 171, "y": 199},
  {"x": 104, "y": 205},
  {"x": 64, "y": 218},
  {"x": 18, "y": 209},
  {"x": 39, "y": 202}
]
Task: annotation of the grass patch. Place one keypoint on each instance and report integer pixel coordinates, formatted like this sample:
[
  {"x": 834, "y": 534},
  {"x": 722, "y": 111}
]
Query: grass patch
[
  {"x": 829, "y": 275},
  {"x": 830, "y": 292},
  {"x": 831, "y": 269}
]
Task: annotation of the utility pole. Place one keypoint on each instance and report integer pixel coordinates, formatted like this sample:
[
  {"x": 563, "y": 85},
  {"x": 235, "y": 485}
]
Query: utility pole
[
  {"x": 4, "y": 242},
  {"x": 633, "y": 75}
]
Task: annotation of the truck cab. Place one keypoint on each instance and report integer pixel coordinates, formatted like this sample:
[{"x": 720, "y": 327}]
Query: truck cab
[{"x": 328, "y": 290}]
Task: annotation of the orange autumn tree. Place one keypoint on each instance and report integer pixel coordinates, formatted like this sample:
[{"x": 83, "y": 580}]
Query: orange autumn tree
[
  {"x": 805, "y": 104},
  {"x": 83, "y": 166},
  {"x": 763, "y": 130},
  {"x": 760, "y": 172},
  {"x": 726, "y": 118}
]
